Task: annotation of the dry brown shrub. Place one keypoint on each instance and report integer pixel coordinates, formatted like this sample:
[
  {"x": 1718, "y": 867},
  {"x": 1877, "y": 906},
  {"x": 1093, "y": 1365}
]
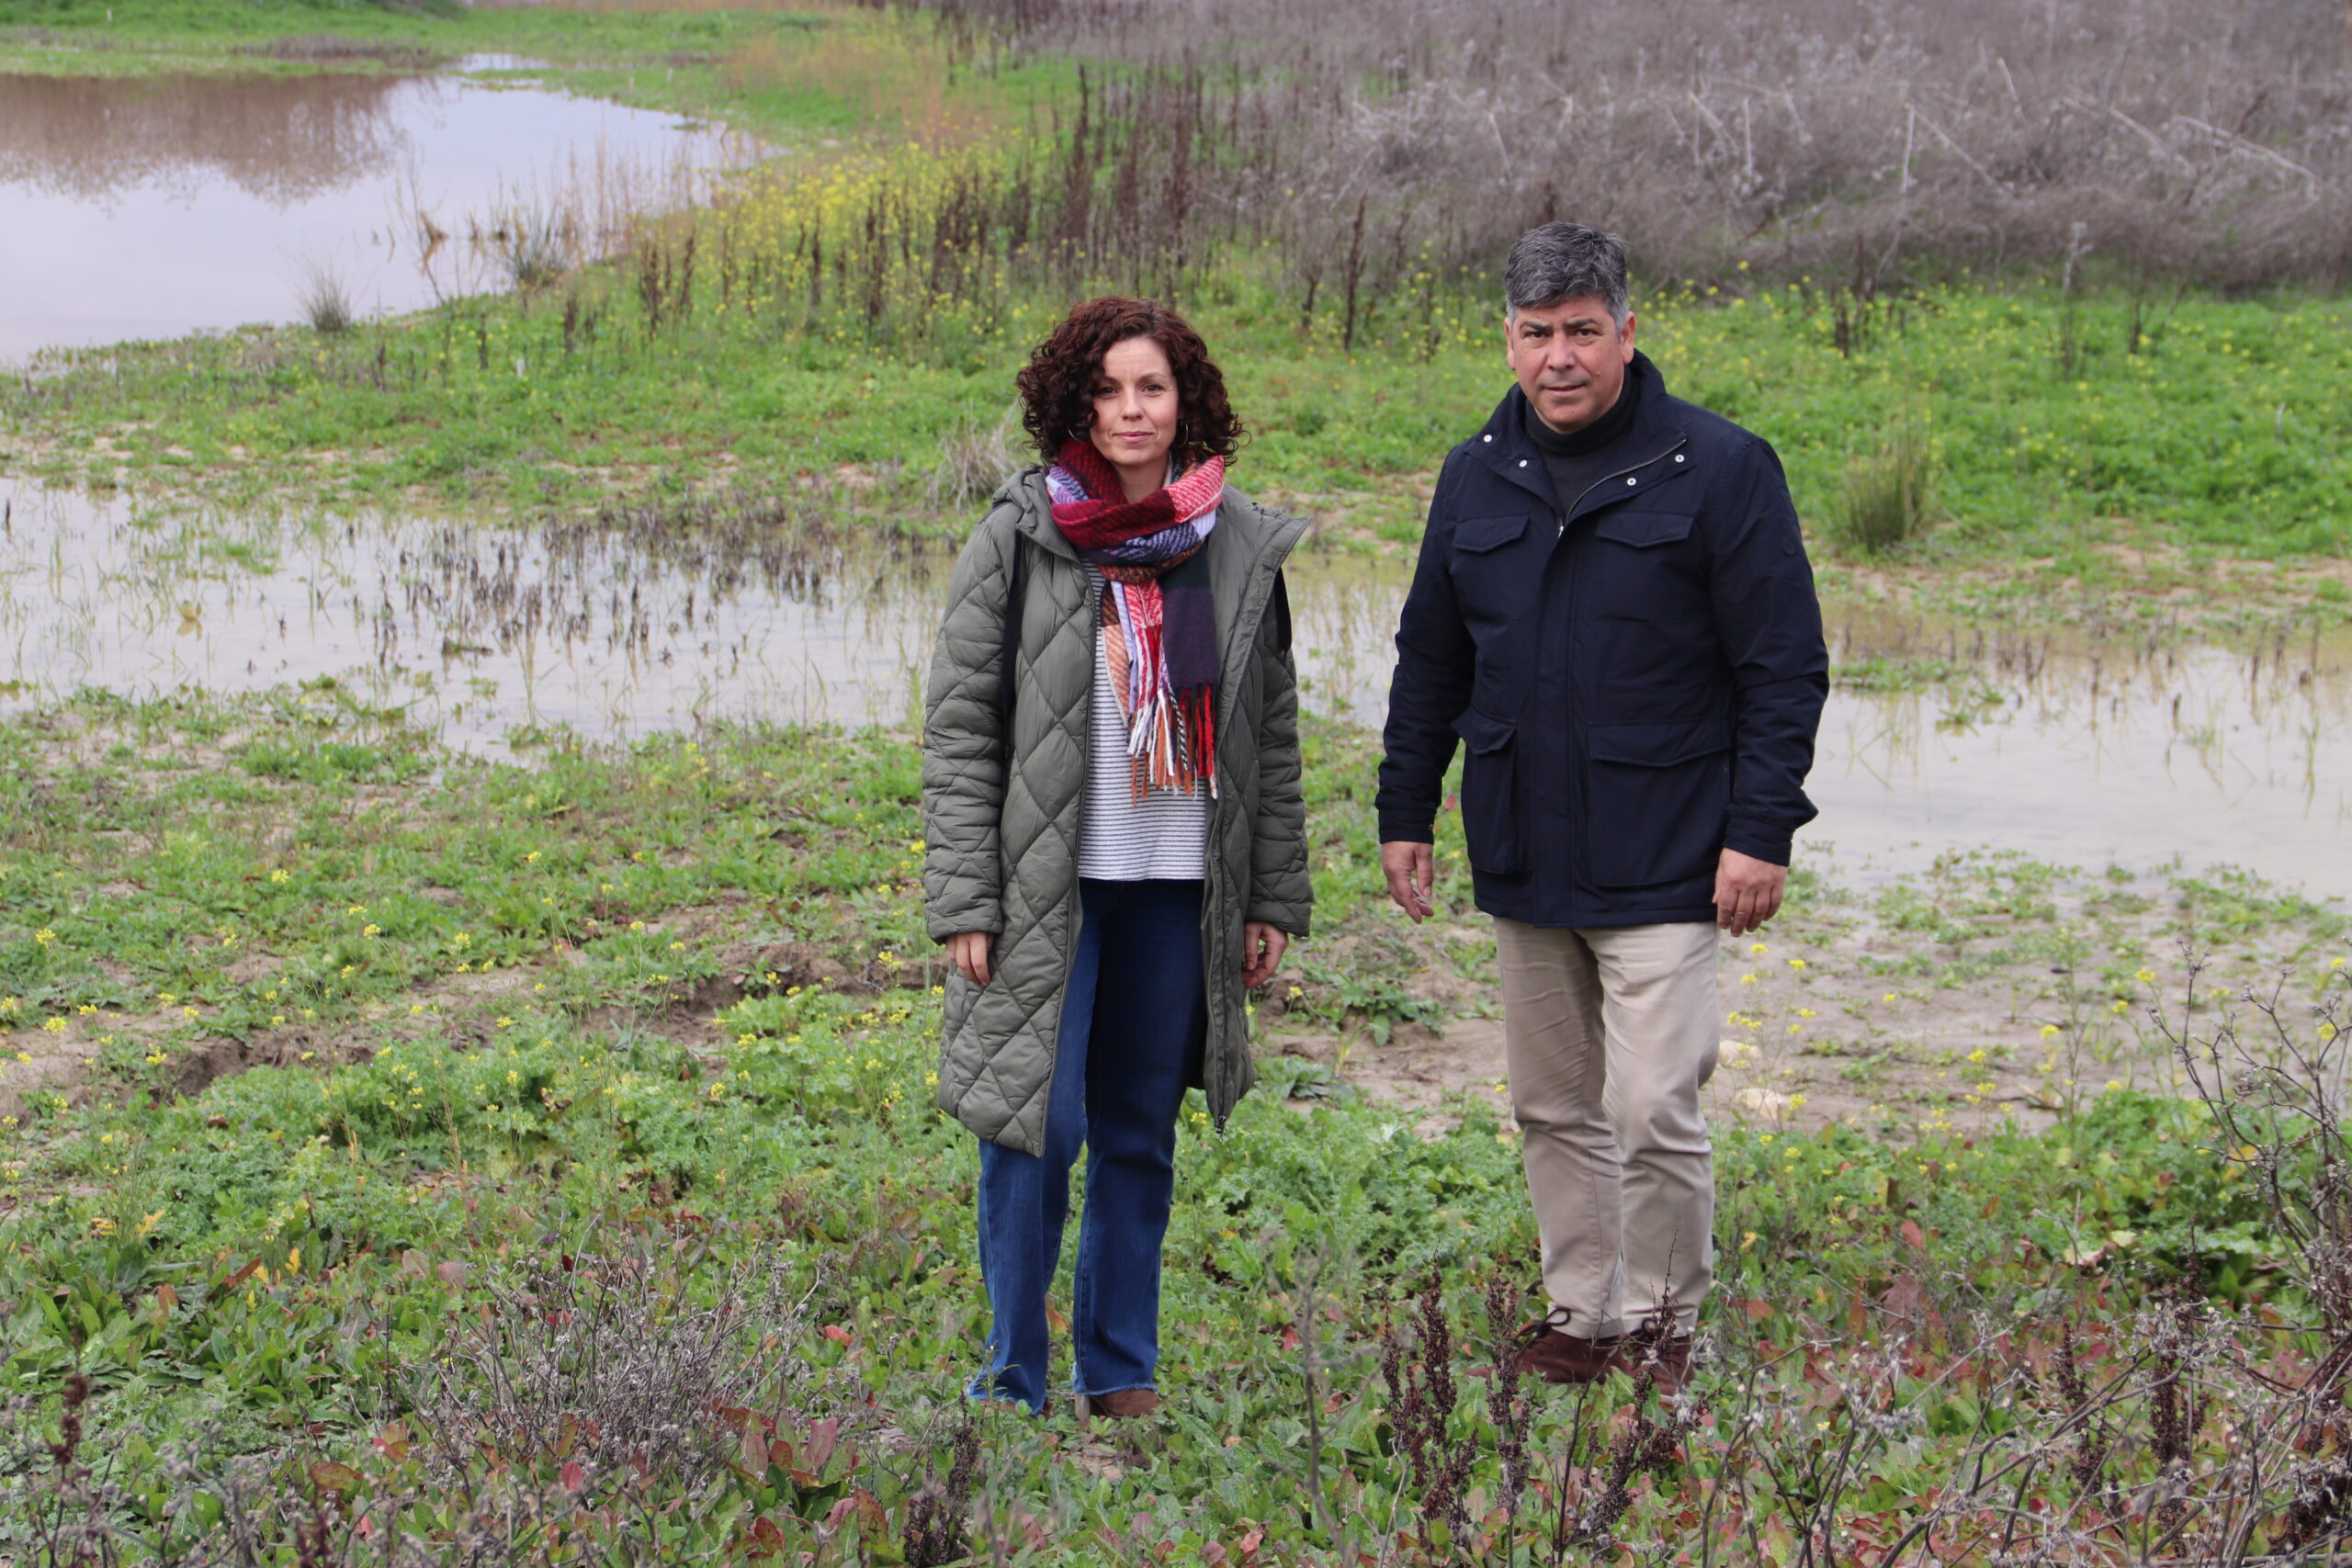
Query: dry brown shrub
[{"x": 1374, "y": 139}]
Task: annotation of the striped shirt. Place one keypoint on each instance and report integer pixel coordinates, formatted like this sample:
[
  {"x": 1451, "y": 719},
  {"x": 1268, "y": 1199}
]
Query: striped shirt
[{"x": 1163, "y": 837}]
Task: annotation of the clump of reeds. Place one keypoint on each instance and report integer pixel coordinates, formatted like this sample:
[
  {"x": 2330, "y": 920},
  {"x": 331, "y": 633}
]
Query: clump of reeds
[
  {"x": 1889, "y": 498},
  {"x": 325, "y": 296},
  {"x": 537, "y": 243}
]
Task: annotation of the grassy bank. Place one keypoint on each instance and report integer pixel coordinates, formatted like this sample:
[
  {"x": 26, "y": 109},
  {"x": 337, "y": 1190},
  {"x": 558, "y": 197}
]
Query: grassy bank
[
  {"x": 2220, "y": 437},
  {"x": 373, "y": 1045}
]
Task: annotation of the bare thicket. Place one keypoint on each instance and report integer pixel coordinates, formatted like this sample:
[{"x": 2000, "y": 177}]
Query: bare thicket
[
  {"x": 610, "y": 1363},
  {"x": 1374, "y": 140}
]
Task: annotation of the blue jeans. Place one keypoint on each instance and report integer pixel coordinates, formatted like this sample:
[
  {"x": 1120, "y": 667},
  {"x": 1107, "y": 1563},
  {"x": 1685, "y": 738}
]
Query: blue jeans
[{"x": 1135, "y": 1013}]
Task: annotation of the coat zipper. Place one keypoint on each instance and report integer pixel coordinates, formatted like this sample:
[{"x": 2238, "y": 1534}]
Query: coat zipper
[
  {"x": 1567, "y": 514},
  {"x": 1077, "y": 896}
]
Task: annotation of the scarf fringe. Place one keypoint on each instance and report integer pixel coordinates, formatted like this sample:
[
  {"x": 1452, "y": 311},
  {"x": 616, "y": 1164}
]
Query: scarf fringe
[{"x": 1172, "y": 735}]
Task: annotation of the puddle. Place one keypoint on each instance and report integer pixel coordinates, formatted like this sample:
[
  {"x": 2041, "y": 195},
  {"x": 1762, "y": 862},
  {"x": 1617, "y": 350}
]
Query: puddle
[
  {"x": 156, "y": 207},
  {"x": 2086, "y": 754}
]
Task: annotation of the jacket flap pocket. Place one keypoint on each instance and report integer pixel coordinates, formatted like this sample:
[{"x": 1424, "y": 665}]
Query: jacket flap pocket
[
  {"x": 1642, "y": 529},
  {"x": 1480, "y": 533},
  {"x": 1482, "y": 733},
  {"x": 1659, "y": 745}
]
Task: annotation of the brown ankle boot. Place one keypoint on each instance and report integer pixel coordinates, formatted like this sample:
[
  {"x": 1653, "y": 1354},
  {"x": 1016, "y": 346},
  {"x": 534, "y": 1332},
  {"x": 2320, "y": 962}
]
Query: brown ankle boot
[
  {"x": 1119, "y": 1405},
  {"x": 1667, "y": 1358},
  {"x": 1557, "y": 1356}
]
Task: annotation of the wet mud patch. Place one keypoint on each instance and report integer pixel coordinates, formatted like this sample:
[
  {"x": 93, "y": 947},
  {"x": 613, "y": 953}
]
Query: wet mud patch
[{"x": 1993, "y": 988}]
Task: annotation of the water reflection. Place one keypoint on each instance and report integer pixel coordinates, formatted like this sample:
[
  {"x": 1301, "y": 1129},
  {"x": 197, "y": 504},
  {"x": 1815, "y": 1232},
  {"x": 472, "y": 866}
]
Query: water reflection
[
  {"x": 278, "y": 139},
  {"x": 1943, "y": 734},
  {"x": 167, "y": 204}
]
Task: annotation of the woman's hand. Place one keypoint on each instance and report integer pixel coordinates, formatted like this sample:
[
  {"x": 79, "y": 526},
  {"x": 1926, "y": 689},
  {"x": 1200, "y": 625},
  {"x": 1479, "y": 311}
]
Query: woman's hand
[
  {"x": 1263, "y": 947},
  {"x": 970, "y": 951}
]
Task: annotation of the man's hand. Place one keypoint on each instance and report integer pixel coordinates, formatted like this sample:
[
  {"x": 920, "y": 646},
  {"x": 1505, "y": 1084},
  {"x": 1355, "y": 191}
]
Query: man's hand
[
  {"x": 1263, "y": 947},
  {"x": 1747, "y": 891},
  {"x": 1411, "y": 871},
  {"x": 970, "y": 951}
]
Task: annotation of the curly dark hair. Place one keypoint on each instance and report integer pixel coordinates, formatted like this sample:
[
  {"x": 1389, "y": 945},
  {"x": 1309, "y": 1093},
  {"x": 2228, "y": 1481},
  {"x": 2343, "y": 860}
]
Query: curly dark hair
[{"x": 1057, "y": 386}]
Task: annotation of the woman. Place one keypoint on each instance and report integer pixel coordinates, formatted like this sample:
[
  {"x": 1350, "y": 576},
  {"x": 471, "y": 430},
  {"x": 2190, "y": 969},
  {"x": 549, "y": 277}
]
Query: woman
[{"x": 1117, "y": 845}]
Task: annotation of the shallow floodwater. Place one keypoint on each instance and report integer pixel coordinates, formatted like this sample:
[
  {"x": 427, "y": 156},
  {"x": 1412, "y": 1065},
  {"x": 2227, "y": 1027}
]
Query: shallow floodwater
[
  {"x": 2082, "y": 752},
  {"x": 156, "y": 206}
]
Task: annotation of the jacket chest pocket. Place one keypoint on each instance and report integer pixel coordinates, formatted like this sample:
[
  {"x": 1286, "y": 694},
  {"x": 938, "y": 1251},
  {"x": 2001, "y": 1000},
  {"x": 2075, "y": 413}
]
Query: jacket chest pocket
[
  {"x": 1496, "y": 568},
  {"x": 1631, "y": 568}
]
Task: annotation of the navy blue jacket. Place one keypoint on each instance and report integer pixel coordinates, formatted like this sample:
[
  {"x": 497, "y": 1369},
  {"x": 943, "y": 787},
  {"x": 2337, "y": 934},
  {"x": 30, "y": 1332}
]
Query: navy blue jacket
[{"x": 1638, "y": 684}]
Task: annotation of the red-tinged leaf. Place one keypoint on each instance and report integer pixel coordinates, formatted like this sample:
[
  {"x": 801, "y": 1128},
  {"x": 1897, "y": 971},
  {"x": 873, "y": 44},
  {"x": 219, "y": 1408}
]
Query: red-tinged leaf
[
  {"x": 734, "y": 1417},
  {"x": 767, "y": 1539},
  {"x": 870, "y": 1512},
  {"x": 1213, "y": 1556},
  {"x": 822, "y": 1438},
  {"x": 836, "y": 1333},
  {"x": 450, "y": 1271},
  {"x": 574, "y": 1475},
  {"x": 1758, "y": 1311},
  {"x": 239, "y": 1278},
  {"x": 167, "y": 1298},
  {"x": 1251, "y": 1541},
  {"x": 329, "y": 1476},
  {"x": 1912, "y": 1237},
  {"x": 755, "y": 1452},
  {"x": 1290, "y": 1337},
  {"x": 805, "y": 1481}
]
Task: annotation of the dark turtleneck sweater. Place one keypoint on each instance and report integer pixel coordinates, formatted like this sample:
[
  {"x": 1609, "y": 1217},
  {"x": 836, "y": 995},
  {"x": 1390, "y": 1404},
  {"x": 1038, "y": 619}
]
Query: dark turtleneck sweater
[{"x": 1580, "y": 460}]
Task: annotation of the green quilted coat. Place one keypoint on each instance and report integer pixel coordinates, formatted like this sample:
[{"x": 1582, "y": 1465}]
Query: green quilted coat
[{"x": 1002, "y": 850}]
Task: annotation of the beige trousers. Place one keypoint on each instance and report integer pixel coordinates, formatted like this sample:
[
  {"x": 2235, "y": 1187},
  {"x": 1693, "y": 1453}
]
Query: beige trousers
[{"x": 1608, "y": 1035}]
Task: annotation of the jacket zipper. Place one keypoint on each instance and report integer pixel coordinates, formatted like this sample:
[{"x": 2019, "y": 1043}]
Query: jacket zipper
[
  {"x": 1566, "y": 515},
  {"x": 1569, "y": 510},
  {"x": 1076, "y": 895}
]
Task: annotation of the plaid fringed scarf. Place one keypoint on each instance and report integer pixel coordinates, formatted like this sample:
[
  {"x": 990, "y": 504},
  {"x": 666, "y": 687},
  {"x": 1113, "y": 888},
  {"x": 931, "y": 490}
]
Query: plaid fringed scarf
[{"x": 1159, "y": 618}]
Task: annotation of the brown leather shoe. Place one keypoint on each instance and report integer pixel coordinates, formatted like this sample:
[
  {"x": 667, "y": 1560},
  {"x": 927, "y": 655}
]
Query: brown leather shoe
[
  {"x": 1119, "y": 1405},
  {"x": 1666, "y": 1358},
  {"x": 1557, "y": 1356}
]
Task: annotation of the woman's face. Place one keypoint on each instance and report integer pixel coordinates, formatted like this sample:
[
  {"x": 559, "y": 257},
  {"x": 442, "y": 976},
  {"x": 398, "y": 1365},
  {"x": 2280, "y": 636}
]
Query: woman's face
[{"x": 1135, "y": 413}]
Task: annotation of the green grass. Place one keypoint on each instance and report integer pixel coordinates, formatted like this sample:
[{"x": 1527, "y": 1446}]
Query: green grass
[
  {"x": 2223, "y": 435},
  {"x": 321, "y": 1040},
  {"x": 673, "y": 1002}
]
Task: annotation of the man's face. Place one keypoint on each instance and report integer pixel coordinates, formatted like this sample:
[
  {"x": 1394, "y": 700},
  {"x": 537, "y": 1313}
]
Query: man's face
[{"x": 1570, "y": 359}]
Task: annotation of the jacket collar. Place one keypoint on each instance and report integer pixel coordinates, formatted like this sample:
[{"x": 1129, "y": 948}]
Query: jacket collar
[{"x": 1655, "y": 432}]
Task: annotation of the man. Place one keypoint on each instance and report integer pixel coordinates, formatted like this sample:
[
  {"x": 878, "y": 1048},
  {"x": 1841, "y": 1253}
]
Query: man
[{"x": 1614, "y": 613}]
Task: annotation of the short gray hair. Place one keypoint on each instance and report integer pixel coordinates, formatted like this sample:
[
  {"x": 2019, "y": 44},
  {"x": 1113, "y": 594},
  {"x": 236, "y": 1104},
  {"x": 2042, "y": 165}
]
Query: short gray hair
[{"x": 1565, "y": 261}]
